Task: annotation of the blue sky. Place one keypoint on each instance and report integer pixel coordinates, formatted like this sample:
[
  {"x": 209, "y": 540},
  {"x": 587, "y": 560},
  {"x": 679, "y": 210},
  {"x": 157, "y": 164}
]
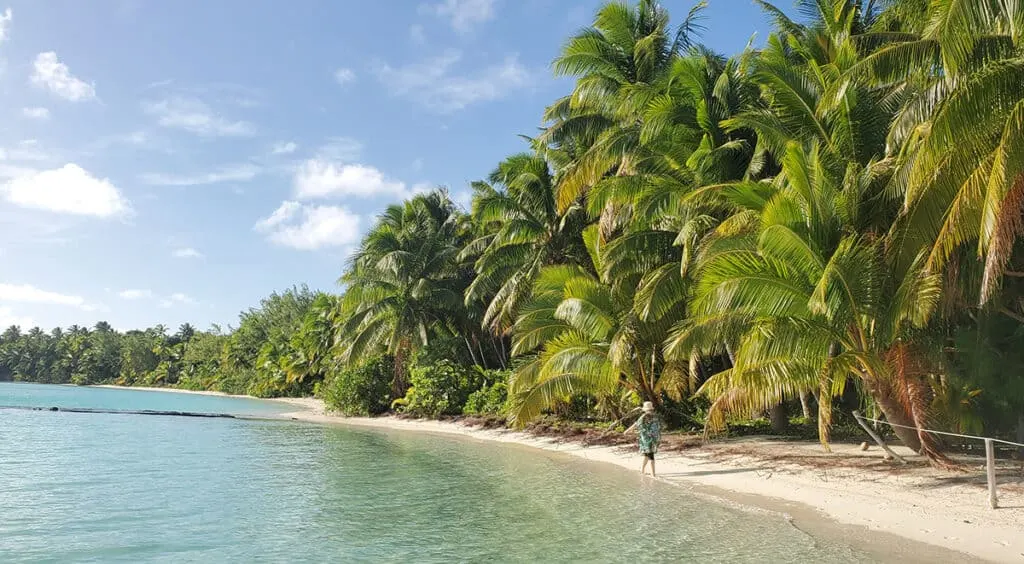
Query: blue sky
[{"x": 163, "y": 162}]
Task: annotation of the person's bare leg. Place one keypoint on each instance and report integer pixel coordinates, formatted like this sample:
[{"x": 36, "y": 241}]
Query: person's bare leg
[
  {"x": 643, "y": 467},
  {"x": 653, "y": 474}
]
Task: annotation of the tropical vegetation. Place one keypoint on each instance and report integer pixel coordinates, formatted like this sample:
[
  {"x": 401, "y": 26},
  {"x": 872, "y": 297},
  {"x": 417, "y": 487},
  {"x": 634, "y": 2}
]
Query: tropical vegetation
[{"x": 828, "y": 221}]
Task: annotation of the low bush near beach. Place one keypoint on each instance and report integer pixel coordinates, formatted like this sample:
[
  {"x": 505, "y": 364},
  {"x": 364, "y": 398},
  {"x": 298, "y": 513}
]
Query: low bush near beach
[
  {"x": 491, "y": 399},
  {"x": 439, "y": 388},
  {"x": 360, "y": 389}
]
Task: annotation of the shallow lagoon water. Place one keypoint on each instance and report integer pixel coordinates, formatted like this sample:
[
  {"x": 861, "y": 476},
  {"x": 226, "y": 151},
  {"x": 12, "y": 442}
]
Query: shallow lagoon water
[{"x": 80, "y": 487}]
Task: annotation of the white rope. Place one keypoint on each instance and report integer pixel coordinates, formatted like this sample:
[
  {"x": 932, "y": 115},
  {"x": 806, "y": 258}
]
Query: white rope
[{"x": 943, "y": 432}]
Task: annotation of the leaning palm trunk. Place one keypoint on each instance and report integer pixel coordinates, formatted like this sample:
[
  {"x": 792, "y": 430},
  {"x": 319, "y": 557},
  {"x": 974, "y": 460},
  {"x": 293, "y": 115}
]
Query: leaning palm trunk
[{"x": 902, "y": 424}]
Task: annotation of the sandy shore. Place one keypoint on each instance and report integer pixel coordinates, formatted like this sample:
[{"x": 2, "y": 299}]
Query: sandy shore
[
  {"x": 881, "y": 502},
  {"x": 176, "y": 391}
]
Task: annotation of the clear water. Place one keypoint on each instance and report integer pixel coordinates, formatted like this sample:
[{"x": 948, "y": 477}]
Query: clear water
[{"x": 128, "y": 488}]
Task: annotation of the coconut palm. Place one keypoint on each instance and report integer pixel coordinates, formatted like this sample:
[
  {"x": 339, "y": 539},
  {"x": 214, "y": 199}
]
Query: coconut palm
[
  {"x": 812, "y": 299},
  {"x": 959, "y": 67},
  {"x": 583, "y": 336},
  {"x": 621, "y": 64},
  {"x": 311, "y": 349},
  {"x": 404, "y": 283},
  {"x": 520, "y": 232}
]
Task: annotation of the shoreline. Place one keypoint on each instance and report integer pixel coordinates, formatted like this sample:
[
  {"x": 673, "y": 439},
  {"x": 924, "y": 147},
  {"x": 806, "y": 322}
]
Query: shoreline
[{"x": 872, "y": 505}]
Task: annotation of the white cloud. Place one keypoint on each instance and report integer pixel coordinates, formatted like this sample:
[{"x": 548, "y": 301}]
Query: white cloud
[
  {"x": 28, "y": 294},
  {"x": 433, "y": 83},
  {"x": 36, "y": 113},
  {"x": 8, "y": 318},
  {"x": 48, "y": 72},
  {"x": 344, "y": 76},
  {"x": 307, "y": 227},
  {"x": 283, "y": 148},
  {"x": 417, "y": 35},
  {"x": 135, "y": 294},
  {"x": 194, "y": 116},
  {"x": 318, "y": 178},
  {"x": 69, "y": 189},
  {"x": 231, "y": 173},
  {"x": 187, "y": 253},
  {"x": 177, "y": 299},
  {"x": 5, "y": 24},
  {"x": 462, "y": 14}
]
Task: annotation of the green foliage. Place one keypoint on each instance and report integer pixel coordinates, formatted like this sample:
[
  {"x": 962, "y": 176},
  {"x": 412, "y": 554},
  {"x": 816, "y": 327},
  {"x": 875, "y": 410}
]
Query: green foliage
[
  {"x": 359, "y": 389},
  {"x": 716, "y": 235},
  {"x": 440, "y": 388},
  {"x": 491, "y": 398}
]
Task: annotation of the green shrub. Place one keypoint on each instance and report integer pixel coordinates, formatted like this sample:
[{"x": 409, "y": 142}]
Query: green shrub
[
  {"x": 491, "y": 398},
  {"x": 360, "y": 389},
  {"x": 439, "y": 388}
]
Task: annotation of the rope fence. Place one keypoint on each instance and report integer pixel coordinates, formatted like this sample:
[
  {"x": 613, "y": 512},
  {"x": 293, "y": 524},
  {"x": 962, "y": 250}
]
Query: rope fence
[{"x": 990, "y": 449}]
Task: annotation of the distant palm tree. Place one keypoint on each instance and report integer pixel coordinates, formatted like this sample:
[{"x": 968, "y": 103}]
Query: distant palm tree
[{"x": 404, "y": 284}]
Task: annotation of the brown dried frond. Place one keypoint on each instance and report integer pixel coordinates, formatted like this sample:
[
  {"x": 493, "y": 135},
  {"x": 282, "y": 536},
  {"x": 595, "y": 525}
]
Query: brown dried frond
[{"x": 1009, "y": 225}]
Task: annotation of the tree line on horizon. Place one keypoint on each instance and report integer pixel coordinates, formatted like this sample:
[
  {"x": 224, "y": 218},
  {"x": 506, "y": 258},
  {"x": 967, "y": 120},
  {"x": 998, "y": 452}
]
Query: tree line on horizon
[{"x": 830, "y": 220}]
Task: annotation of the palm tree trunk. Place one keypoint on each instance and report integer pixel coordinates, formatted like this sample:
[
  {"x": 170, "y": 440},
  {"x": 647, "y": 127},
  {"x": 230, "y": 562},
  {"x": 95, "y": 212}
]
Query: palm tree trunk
[
  {"x": 779, "y": 419},
  {"x": 483, "y": 357},
  {"x": 470, "y": 349},
  {"x": 399, "y": 385},
  {"x": 499, "y": 353},
  {"x": 805, "y": 405},
  {"x": 895, "y": 414}
]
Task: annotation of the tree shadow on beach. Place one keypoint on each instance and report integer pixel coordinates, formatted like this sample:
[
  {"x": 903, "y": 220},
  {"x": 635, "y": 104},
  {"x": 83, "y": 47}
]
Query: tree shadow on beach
[{"x": 712, "y": 472}]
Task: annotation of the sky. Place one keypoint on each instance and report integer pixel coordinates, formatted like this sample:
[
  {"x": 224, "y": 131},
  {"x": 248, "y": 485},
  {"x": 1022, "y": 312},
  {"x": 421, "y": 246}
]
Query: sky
[{"x": 164, "y": 162}]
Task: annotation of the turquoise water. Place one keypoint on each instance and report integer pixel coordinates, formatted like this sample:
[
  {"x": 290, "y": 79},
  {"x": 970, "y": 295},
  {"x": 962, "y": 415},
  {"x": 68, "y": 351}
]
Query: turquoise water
[{"x": 128, "y": 488}]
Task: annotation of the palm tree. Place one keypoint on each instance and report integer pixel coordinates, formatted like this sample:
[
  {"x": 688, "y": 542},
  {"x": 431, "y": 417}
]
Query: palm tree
[
  {"x": 583, "y": 336},
  {"x": 520, "y": 231},
  {"x": 312, "y": 347},
  {"x": 621, "y": 62},
  {"x": 812, "y": 300},
  {"x": 404, "y": 284},
  {"x": 185, "y": 333},
  {"x": 959, "y": 67}
]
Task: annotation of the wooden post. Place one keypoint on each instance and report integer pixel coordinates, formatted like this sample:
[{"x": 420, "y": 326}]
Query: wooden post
[
  {"x": 881, "y": 443},
  {"x": 990, "y": 465}
]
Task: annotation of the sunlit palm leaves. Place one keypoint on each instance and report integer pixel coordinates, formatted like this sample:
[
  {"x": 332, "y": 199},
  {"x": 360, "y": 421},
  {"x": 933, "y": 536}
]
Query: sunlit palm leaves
[
  {"x": 520, "y": 231},
  {"x": 404, "y": 284}
]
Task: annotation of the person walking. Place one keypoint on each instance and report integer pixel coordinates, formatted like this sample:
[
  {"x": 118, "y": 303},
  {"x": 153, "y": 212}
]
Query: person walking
[{"x": 648, "y": 427}]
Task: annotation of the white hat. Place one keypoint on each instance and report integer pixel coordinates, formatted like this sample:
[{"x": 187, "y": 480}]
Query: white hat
[{"x": 648, "y": 407}]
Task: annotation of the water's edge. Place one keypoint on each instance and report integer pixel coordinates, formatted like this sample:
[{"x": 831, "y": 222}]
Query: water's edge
[
  {"x": 817, "y": 524},
  {"x": 886, "y": 546}
]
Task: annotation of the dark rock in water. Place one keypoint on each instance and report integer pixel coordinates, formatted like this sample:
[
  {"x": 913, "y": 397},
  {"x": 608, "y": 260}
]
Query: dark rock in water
[{"x": 124, "y": 411}]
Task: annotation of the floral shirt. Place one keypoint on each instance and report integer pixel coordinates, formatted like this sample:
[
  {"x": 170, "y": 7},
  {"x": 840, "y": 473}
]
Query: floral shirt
[{"x": 649, "y": 430}]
